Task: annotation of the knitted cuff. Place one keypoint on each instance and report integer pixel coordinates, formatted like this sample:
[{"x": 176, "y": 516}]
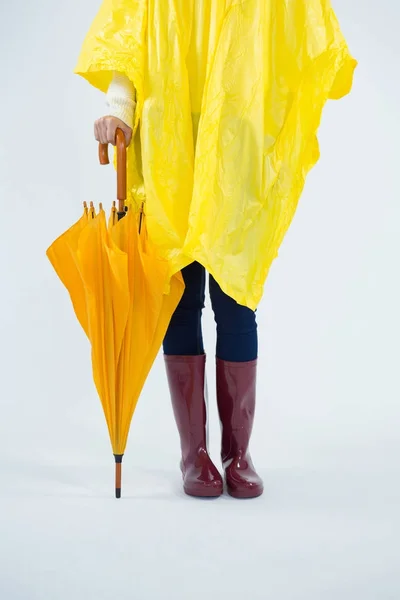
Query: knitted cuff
[
  {"x": 122, "y": 109},
  {"x": 121, "y": 99}
]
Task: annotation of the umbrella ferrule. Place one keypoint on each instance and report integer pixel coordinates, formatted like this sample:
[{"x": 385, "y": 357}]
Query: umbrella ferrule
[
  {"x": 122, "y": 213},
  {"x": 118, "y": 469}
]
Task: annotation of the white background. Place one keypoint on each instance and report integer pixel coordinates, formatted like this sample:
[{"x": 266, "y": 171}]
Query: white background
[{"x": 326, "y": 438}]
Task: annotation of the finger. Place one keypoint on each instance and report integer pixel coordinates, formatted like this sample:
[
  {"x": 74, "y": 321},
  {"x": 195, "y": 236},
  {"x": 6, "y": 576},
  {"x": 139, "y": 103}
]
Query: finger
[
  {"x": 128, "y": 139},
  {"x": 111, "y": 132},
  {"x": 128, "y": 135},
  {"x": 103, "y": 133},
  {"x": 96, "y": 131}
]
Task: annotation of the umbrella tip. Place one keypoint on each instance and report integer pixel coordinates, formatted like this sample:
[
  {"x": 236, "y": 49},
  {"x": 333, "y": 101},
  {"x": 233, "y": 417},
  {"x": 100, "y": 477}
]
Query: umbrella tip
[
  {"x": 100, "y": 205},
  {"x": 118, "y": 466},
  {"x": 91, "y": 205},
  {"x": 85, "y": 204}
]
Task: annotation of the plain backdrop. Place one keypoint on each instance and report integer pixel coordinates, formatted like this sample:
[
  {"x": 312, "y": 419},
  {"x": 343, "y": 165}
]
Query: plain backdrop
[{"x": 326, "y": 437}]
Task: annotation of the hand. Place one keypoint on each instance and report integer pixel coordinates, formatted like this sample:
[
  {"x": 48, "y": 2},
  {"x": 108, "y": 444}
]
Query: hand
[{"x": 106, "y": 127}]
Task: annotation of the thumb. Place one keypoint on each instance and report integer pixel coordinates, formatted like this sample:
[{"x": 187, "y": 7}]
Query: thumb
[{"x": 128, "y": 133}]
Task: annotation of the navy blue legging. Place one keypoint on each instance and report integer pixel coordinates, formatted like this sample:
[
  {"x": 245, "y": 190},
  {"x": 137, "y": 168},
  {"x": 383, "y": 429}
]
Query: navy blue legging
[{"x": 236, "y": 324}]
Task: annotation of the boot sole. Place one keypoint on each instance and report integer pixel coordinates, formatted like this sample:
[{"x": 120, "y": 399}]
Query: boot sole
[
  {"x": 245, "y": 494},
  {"x": 206, "y": 493}
]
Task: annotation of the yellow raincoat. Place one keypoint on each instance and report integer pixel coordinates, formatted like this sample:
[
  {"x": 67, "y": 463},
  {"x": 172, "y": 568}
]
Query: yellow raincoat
[{"x": 229, "y": 100}]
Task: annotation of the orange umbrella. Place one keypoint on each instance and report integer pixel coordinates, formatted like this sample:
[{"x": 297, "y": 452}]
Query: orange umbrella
[{"x": 116, "y": 280}]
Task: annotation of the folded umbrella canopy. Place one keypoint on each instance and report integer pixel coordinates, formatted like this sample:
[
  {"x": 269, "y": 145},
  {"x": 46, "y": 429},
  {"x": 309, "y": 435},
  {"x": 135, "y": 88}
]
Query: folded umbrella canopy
[{"x": 117, "y": 281}]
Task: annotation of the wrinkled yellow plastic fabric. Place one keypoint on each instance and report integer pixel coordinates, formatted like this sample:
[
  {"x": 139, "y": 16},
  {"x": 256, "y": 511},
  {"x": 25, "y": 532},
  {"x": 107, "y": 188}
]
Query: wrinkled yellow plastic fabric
[
  {"x": 230, "y": 95},
  {"x": 117, "y": 289}
]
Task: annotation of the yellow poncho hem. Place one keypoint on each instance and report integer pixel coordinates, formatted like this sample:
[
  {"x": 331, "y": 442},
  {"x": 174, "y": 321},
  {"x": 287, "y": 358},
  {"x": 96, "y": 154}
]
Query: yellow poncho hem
[{"x": 206, "y": 203}]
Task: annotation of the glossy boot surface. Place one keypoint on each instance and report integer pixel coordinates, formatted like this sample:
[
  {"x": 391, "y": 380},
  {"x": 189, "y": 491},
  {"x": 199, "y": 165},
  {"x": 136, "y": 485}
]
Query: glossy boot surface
[
  {"x": 186, "y": 378},
  {"x": 236, "y": 397}
]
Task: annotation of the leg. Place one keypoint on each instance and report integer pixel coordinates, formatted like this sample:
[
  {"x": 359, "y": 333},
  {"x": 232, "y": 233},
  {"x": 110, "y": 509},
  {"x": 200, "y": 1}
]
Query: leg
[
  {"x": 185, "y": 365},
  {"x": 236, "y": 366},
  {"x": 184, "y": 334}
]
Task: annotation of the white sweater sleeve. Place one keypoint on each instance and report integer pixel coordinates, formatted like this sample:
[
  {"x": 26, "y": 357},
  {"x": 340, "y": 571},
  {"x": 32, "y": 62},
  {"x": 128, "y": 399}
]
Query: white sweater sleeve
[{"x": 121, "y": 98}]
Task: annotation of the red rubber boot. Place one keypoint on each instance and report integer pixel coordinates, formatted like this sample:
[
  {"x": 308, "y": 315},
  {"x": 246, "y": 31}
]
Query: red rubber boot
[
  {"x": 186, "y": 377},
  {"x": 236, "y": 398}
]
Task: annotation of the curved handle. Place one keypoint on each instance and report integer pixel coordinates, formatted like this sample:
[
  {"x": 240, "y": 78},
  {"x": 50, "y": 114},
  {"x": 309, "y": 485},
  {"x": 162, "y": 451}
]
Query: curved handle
[{"x": 121, "y": 165}]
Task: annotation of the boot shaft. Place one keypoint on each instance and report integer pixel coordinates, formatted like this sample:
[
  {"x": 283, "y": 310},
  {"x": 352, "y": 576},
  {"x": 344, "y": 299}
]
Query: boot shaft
[
  {"x": 236, "y": 396},
  {"x": 186, "y": 379}
]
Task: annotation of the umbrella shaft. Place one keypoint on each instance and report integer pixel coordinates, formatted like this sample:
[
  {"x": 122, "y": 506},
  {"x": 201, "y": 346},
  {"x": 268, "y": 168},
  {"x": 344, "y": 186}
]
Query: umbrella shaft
[{"x": 118, "y": 474}]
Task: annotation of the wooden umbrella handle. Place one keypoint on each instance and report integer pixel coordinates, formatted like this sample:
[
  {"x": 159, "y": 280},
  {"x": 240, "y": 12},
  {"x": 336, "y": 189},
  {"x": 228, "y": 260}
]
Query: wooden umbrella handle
[{"x": 121, "y": 165}]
